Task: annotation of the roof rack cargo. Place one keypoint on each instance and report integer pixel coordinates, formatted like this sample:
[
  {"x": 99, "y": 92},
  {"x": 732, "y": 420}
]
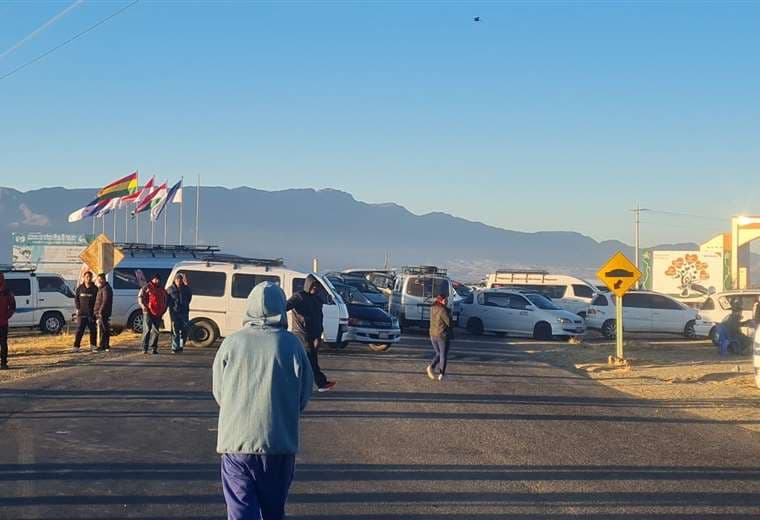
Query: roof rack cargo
[
  {"x": 518, "y": 275},
  {"x": 131, "y": 248},
  {"x": 423, "y": 269},
  {"x": 242, "y": 260},
  {"x": 7, "y": 268}
]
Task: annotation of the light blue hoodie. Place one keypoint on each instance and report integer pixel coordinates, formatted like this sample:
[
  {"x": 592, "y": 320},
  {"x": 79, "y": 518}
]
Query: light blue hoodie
[{"x": 262, "y": 380}]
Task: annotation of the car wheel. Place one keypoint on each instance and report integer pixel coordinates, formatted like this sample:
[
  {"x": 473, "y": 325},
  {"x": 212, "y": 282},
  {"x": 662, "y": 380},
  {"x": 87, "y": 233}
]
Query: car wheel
[
  {"x": 379, "y": 347},
  {"x": 475, "y": 326},
  {"x": 202, "y": 333},
  {"x": 689, "y": 331},
  {"x": 52, "y": 323},
  {"x": 135, "y": 322},
  {"x": 713, "y": 335},
  {"x": 542, "y": 331},
  {"x": 609, "y": 329}
]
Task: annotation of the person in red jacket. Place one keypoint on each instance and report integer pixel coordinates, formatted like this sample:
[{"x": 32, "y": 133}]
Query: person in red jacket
[
  {"x": 7, "y": 309},
  {"x": 152, "y": 300}
]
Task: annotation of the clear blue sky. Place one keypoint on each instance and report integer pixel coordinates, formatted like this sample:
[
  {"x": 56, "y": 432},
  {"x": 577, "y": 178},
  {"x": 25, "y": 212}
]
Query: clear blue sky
[{"x": 543, "y": 116}]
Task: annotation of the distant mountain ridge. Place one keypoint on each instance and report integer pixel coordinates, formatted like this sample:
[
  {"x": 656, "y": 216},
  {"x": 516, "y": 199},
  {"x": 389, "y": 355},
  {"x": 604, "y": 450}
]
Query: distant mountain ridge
[{"x": 299, "y": 224}]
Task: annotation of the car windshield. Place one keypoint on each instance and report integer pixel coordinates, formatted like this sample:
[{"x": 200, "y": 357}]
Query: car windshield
[
  {"x": 542, "y": 303},
  {"x": 351, "y": 295},
  {"x": 362, "y": 286}
]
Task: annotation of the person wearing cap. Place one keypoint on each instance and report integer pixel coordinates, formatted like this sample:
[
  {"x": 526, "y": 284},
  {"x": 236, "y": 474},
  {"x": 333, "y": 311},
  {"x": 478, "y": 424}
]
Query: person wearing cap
[
  {"x": 103, "y": 310},
  {"x": 84, "y": 300},
  {"x": 7, "y": 310},
  {"x": 441, "y": 334},
  {"x": 180, "y": 295},
  {"x": 152, "y": 299}
]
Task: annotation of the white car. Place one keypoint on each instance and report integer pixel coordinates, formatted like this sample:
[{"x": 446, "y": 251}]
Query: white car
[
  {"x": 643, "y": 311},
  {"x": 717, "y": 307},
  {"x": 505, "y": 311},
  {"x": 43, "y": 300}
]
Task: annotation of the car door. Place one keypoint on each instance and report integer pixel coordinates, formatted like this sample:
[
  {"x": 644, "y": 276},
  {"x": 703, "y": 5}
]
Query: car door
[
  {"x": 22, "y": 289},
  {"x": 637, "y": 312},
  {"x": 667, "y": 315},
  {"x": 496, "y": 315},
  {"x": 53, "y": 295},
  {"x": 523, "y": 314}
]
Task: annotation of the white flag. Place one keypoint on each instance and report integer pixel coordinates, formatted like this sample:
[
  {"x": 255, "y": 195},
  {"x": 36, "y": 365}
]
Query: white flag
[
  {"x": 177, "y": 199},
  {"x": 158, "y": 202}
]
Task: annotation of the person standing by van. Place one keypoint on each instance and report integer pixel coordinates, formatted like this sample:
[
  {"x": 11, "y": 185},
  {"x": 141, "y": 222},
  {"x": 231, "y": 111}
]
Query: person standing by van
[
  {"x": 7, "y": 310},
  {"x": 180, "y": 296},
  {"x": 441, "y": 334},
  {"x": 306, "y": 306},
  {"x": 103, "y": 310},
  {"x": 262, "y": 382},
  {"x": 152, "y": 299},
  {"x": 84, "y": 300}
]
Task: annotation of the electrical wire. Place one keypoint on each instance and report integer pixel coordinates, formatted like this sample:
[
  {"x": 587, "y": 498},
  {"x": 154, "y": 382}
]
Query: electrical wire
[
  {"x": 63, "y": 44},
  {"x": 41, "y": 28},
  {"x": 688, "y": 215}
]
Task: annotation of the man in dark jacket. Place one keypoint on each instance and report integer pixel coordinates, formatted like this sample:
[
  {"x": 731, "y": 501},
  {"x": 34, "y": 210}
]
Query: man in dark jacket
[
  {"x": 441, "y": 334},
  {"x": 7, "y": 309},
  {"x": 84, "y": 301},
  {"x": 180, "y": 295},
  {"x": 152, "y": 299},
  {"x": 103, "y": 308},
  {"x": 306, "y": 306}
]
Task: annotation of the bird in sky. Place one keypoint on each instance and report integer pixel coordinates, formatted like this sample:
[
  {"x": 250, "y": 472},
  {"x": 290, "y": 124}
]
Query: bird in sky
[{"x": 476, "y": 19}]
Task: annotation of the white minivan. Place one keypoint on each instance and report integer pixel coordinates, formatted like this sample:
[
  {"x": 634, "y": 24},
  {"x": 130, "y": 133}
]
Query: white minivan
[
  {"x": 221, "y": 285},
  {"x": 570, "y": 293},
  {"x": 43, "y": 300},
  {"x": 414, "y": 291}
]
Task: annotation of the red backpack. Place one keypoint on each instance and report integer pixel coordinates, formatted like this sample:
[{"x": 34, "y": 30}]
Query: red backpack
[{"x": 156, "y": 300}]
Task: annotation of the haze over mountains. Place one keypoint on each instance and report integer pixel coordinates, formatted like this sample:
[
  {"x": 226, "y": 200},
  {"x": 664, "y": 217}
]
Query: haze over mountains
[{"x": 298, "y": 224}]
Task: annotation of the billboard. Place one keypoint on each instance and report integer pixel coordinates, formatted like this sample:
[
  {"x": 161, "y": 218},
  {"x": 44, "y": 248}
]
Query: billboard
[
  {"x": 685, "y": 275},
  {"x": 49, "y": 252}
]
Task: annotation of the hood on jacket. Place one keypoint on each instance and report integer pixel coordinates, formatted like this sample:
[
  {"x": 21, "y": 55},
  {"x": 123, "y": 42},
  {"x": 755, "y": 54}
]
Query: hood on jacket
[
  {"x": 265, "y": 307},
  {"x": 310, "y": 281}
]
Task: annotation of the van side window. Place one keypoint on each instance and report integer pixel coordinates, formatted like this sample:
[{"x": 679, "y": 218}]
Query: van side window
[
  {"x": 298, "y": 284},
  {"x": 583, "y": 291},
  {"x": 54, "y": 284},
  {"x": 19, "y": 286},
  {"x": 600, "y": 301},
  {"x": 243, "y": 284},
  {"x": 206, "y": 283},
  {"x": 133, "y": 278}
]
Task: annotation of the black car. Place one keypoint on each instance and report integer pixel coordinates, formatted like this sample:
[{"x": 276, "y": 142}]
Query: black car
[{"x": 367, "y": 323}]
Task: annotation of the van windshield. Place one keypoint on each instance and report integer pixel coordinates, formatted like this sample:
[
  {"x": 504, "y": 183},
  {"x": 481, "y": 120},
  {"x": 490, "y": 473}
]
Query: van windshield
[
  {"x": 427, "y": 286},
  {"x": 542, "y": 303}
]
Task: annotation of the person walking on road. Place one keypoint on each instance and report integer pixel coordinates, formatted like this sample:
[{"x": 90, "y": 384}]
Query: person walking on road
[
  {"x": 103, "y": 310},
  {"x": 180, "y": 296},
  {"x": 441, "y": 334},
  {"x": 7, "y": 310},
  {"x": 84, "y": 300},
  {"x": 306, "y": 306},
  {"x": 152, "y": 299},
  {"x": 262, "y": 382}
]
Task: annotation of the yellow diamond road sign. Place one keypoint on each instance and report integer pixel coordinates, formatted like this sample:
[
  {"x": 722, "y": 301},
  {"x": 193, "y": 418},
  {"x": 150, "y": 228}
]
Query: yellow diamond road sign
[
  {"x": 101, "y": 256},
  {"x": 619, "y": 274}
]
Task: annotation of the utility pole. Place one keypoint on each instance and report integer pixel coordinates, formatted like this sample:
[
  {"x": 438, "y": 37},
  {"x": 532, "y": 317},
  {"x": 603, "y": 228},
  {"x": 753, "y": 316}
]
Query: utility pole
[{"x": 637, "y": 235}]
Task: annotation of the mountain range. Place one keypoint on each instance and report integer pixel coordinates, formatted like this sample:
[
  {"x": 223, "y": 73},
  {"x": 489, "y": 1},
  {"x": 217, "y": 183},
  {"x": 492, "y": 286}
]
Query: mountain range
[{"x": 299, "y": 224}]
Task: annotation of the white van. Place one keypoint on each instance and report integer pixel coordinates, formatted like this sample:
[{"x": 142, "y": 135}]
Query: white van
[
  {"x": 414, "y": 291},
  {"x": 569, "y": 292},
  {"x": 142, "y": 261},
  {"x": 43, "y": 300},
  {"x": 221, "y": 285}
]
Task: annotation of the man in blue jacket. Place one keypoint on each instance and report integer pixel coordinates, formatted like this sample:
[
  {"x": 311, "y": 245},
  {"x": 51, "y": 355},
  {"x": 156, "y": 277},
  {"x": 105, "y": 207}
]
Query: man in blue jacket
[
  {"x": 262, "y": 382},
  {"x": 180, "y": 297}
]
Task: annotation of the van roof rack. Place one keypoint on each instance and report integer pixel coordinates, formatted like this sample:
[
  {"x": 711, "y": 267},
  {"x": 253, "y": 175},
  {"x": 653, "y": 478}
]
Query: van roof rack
[
  {"x": 7, "y": 268},
  {"x": 423, "y": 269},
  {"x": 522, "y": 271},
  {"x": 242, "y": 260},
  {"x": 131, "y": 248}
]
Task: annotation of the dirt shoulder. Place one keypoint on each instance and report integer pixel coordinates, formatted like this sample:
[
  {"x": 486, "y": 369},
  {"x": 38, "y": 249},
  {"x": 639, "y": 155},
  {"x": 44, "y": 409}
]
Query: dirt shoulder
[{"x": 687, "y": 375}]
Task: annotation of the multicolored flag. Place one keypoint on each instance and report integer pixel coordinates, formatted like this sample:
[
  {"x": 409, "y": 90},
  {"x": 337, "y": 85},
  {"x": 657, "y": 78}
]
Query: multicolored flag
[
  {"x": 147, "y": 202},
  {"x": 158, "y": 202},
  {"x": 107, "y": 207},
  {"x": 177, "y": 190},
  {"x": 88, "y": 211},
  {"x": 120, "y": 188},
  {"x": 138, "y": 195}
]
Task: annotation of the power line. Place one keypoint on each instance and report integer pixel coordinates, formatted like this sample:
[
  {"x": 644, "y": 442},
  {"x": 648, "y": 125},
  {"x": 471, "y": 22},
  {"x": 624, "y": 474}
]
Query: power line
[
  {"x": 76, "y": 36},
  {"x": 42, "y": 27},
  {"x": 677, "y": 214}
]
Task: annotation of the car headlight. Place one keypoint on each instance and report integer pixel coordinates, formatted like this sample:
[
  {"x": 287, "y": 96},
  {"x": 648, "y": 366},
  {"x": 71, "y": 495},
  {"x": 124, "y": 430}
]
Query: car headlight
[{"x": 564, "y": 321}]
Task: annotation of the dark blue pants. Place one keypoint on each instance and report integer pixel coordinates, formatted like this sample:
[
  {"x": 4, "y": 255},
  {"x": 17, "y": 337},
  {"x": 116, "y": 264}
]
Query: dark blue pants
[
  {"x": 441, "y": 348},
  {"x": 256, "y": 486},
  {"x": 179, "y": 330}
]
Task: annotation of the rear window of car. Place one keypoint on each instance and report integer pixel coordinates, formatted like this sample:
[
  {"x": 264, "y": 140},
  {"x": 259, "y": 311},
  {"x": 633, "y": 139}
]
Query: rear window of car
[
  {"x": 583, "y": 291},
  {"x": 427, "y": 287},
  {"x": 243, "y": 284},
  {"x": 206, "y": 283},
  {"x": 19, "y": 286}
]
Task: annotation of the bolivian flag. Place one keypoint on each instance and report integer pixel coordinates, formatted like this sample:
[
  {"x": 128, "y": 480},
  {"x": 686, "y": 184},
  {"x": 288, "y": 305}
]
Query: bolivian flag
[{"x": 121, "y": 188}]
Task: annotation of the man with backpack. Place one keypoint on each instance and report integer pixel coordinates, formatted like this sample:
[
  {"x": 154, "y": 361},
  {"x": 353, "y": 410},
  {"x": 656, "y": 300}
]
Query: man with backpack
[
  {"x": 152, "y": 299},
  {"x": 7, "y": 309}
]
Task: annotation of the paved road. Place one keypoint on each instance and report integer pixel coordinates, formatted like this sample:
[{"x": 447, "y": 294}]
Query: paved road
[{"x": 508, "y": 435}]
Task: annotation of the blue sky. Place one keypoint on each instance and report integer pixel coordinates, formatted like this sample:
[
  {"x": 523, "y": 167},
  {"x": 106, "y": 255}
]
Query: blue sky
[{"x": 543, "y": 116}]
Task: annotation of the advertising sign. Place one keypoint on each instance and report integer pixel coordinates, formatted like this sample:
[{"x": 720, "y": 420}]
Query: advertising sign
[
  {"x": 685, "y": 275},
  {"x": 49, "y": 252}
]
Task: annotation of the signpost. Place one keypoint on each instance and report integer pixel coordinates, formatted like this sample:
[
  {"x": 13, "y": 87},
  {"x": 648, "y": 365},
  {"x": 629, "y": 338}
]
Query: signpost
[
  {"x": 101, "y": 256},
  {"x": 619, "y": 275}
]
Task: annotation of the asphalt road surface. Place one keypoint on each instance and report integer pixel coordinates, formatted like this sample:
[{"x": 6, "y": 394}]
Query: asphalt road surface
[{"x": 507, "y": 435}]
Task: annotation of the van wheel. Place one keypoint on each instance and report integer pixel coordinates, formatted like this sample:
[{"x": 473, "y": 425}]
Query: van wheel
[
  {"x": 609, "y": 329},
  {"x": 52, "y": 323},
  {"x": 203, "y": 333},
  {"x": 135, "y": 322},
  {"x": 542, "y": 331},
  {"x": 689, "y": 331},
  {"x": 475, "y": 326},
  {"x": 379, "y": 347}
]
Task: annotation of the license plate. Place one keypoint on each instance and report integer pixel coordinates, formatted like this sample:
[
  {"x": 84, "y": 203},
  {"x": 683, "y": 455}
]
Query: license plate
[{"x": 383, "y": 336}]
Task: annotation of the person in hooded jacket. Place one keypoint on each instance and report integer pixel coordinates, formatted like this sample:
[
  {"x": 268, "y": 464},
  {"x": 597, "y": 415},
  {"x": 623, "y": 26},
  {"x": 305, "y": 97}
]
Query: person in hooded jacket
[
  {"x": 180, "y": 295},
  {"x": 441, "y": 334},
  {"x": 7, "y": 310},
  {"x": 152, "y": 299},
  {"x": 103, "y": 311},
  {"x": 84, "y": 300},
  {"x": 262, "y": 382},
  {"x": 306, "y": 306}
]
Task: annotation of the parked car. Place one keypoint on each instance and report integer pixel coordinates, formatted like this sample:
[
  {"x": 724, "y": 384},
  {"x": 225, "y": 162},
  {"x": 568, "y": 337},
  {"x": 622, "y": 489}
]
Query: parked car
[
  {"x": 222, "y": 284},
  {"x": 43, "y": 300},
  {"x": 717, "y": 307},
  {"x": 414, "y": 292},
  {"x": 505, "y": 311},
  {"x": 364, "y": 286},
  {"x": 570, "y": 293},
  {"x": 643, "y": 311},
  {"x": 383, "y": 279},
  {"x": 367, "y": 323}
]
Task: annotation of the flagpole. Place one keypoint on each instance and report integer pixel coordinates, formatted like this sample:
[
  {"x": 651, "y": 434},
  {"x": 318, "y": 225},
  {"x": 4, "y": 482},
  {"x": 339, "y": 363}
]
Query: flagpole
[
  {"x": 166, "y": 222},
  {"x": 181, "y": 205},
  {"x": 114, "y": 225},
  {"x": 103, "y": 222},
  {"x": 197, "y": 209},
  {"x": 126, "y": 223},
  {"x": 137, "y": 227},
  {"x": 93, "y": 224},
  {"x": 152, "y": 231}
]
